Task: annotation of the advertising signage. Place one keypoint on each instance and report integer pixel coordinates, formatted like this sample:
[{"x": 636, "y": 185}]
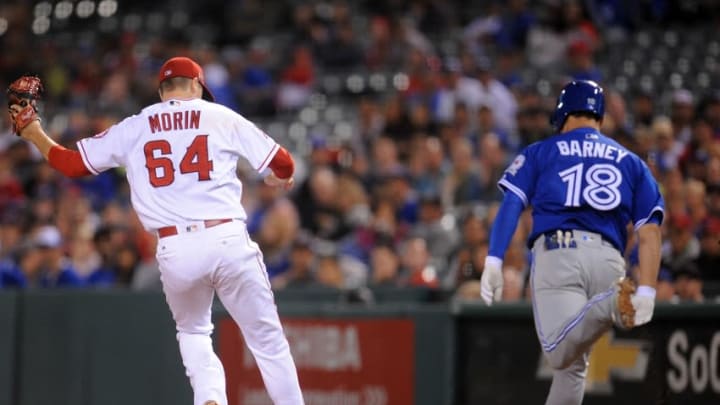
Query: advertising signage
[
  {"x": 339, "y": 362},
  {"x": 665, "y": 362}
]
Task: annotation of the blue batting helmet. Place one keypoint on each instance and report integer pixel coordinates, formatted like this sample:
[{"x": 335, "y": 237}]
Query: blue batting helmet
[{"x": 578, "y": 96}]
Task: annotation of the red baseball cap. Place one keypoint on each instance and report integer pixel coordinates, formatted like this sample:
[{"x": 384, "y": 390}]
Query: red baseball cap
[
  {"x": 681, "y": 221},
  {"x": 579, "y": 47},
  {"x": 711, "y": 227},
  {"x": 181, "y": 66}
]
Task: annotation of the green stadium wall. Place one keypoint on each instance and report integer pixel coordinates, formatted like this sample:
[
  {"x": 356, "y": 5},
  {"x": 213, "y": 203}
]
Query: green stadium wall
[{"x": 118, "y": 347}]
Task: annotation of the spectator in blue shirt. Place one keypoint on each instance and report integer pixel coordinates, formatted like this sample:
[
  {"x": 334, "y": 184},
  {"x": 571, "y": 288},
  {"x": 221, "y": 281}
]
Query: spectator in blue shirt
[
  {"x": 119, "y": 258},
  {"x": 26, "y": 262},
  {"x": 55, "y": 269}
]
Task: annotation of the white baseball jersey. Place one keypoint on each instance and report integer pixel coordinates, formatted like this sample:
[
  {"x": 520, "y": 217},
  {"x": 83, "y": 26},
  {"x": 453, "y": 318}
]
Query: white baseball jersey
[{"x": 181, "y": 158}]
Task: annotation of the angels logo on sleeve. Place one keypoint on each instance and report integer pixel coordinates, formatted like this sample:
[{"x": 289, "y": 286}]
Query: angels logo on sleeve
[{"x": 101, "y": 134}]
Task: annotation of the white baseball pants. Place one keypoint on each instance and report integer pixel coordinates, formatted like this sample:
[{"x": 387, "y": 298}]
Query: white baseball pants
[{"x": 194, "y": 266}]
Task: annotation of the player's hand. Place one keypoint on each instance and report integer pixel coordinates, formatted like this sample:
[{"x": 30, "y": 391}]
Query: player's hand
[
  {"x": 22, "y": 96},
  {"x": 23, "y": 118},
  {"x": 491, "y": 282},
  {"x": 644, "y": 303},
  {"x": 275, "y": 181}
]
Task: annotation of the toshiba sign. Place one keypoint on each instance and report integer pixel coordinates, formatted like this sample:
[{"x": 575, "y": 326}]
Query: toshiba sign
[{"x": 339, "y": 362}]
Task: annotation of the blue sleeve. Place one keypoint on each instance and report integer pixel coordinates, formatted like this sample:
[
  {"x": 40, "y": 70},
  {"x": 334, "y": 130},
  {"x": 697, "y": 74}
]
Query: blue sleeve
[
  {"x": 519, "y": 177},
  {"x": 505, "y": 223},
  {"x": 648, "y": 204},
  {"x": 634, "y": 256}
]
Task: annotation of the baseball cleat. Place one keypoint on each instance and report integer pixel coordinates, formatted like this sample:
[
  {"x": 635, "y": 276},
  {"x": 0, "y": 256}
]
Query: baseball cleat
[{"x": 626, "y": 288}]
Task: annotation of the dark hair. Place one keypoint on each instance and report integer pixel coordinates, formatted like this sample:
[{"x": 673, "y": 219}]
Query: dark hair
[
  {"x": 689, "y": 270},
  {"x": 175, "y": 83},
  {"x": 585, "y": 114}
]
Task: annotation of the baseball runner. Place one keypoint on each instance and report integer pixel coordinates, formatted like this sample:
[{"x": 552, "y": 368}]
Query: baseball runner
[
  {"x": 181, "y": 155},
  {"x": 584, "y": 188}
]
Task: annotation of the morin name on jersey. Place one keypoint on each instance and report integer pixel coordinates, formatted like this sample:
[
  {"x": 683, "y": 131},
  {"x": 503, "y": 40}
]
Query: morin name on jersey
[
  {"x": 174, "y": 121},
  {"x": 591, "y": 149}
]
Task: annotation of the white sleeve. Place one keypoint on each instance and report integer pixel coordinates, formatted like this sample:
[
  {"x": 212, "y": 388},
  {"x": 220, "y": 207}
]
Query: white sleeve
[
  {"x": 104, "y": 150},
  {"x": 255, "y": 145}
]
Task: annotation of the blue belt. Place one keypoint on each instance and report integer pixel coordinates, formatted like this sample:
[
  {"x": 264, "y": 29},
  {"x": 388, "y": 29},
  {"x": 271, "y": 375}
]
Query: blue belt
[
  {"x": 566, "y": 239},
  {"x": 559, "y": 239}
]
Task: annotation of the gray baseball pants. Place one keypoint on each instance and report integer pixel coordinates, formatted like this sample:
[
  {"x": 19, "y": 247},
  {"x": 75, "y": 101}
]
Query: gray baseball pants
[{"x": 574, "y": 301}]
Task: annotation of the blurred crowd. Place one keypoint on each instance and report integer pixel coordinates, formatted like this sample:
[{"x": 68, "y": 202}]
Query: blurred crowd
[{"x": 408, "y": 199}]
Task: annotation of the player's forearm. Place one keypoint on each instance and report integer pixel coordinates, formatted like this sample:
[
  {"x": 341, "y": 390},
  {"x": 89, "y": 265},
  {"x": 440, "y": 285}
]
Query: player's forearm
[
  {"x": 37, "y": 136},
  {"x": 504, "y": 226},
  {"x": 282, "y": 164},
  {"x": 67, "y": 162},
  {"x": 649, "y": 241}
]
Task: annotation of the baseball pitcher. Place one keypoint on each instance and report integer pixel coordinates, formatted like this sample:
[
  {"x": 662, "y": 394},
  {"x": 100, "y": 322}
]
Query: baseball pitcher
[
  {"x": 180, "y": 156},
  {"x": 584, "y": 188}
]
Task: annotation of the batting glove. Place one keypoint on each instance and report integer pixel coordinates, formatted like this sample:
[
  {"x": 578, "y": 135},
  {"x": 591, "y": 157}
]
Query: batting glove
[
  {"x": 491, "y": 282},
  {"x": 644, "y": 303}
]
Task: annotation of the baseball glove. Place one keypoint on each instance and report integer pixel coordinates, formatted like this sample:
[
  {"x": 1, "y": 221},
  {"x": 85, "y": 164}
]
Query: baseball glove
[{"x": 23, "y": 95}]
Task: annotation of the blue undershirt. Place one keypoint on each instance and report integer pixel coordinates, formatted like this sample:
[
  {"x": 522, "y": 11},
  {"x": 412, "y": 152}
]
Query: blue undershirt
[{"x": 505, "y": 223}]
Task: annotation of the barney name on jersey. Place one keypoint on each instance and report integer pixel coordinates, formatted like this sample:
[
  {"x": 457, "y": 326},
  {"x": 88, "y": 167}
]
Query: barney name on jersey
[{"x": 591, "y": 149}]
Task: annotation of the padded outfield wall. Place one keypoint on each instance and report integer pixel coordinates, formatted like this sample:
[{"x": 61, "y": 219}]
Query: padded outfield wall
[{"x": 117, "y": 347}]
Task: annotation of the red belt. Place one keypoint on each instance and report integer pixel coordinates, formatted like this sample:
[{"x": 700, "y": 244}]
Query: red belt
[{"x": 173, "y": 230}]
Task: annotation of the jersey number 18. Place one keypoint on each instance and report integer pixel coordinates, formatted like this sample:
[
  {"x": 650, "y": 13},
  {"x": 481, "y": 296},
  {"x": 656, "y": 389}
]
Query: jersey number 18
[{"x": 601, "y": 190}]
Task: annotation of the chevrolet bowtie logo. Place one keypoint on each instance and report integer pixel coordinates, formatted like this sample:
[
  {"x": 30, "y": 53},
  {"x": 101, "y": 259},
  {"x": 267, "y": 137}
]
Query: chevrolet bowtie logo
[{"x": 621, "y": 359}]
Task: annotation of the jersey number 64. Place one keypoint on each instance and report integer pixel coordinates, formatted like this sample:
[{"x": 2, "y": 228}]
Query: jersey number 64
[{"x": 161, "y": 170}]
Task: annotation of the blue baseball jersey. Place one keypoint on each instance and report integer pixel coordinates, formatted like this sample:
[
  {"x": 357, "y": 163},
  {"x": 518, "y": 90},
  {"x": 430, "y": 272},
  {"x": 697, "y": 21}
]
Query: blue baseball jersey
[{"x": 584, "y": 180}]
